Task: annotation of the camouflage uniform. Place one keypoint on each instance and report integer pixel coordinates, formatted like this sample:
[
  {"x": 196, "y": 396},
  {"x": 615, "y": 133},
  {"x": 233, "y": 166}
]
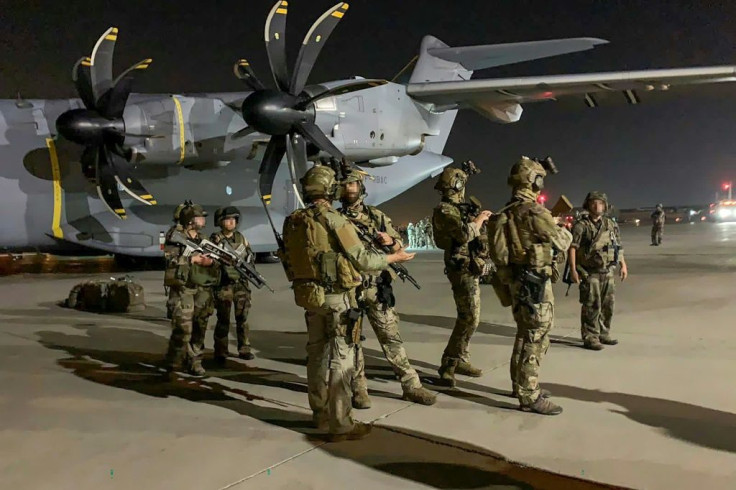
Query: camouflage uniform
[
  {"x": 462, "y": 240},
  {"x": 658, "y": 219},
  {"x": 382, "y": 317},
  {"x": 172, "y": 294},
  {"x": 232, "y": 291},
  {"x": 191, "y": 285},
  {"x": 596, "y": 258},
  {"x": 533, "y": 239},
  {"x": 322, "y": 256}
]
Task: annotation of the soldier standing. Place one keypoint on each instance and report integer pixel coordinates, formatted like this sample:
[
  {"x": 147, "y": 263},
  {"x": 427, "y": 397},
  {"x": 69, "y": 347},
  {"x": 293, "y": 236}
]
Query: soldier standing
[
  {"x": 379, "y": 308},
  {"x": 457, "y": 233},
  {"x": 323, "y": 258},
  {"x": 232, "y": 290},
  {"x": 533, "y": 239},
  {"x": 191, "y": 282},
  {"x": 658, "y": 218},
  {"x": 411, "y": 234},
  {"x": 170, "y": 271},
  {"x": 595, "y": 253}
]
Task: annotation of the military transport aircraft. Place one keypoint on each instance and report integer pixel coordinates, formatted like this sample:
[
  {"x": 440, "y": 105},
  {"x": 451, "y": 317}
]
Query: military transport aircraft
[{"x": 65, "y": 165}]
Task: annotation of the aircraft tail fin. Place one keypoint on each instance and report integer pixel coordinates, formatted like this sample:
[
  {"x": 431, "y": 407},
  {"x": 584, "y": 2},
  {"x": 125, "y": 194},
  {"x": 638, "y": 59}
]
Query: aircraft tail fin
[{"x": 430, "y": 68}]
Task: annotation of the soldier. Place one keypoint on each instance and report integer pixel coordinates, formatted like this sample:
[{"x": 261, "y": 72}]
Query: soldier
[
  {"x": 323, "y": 258},
  {"x": 458, "y": 234},
  {"x": 192, "y": 280},
  {"x": 658, "y": 219},
  {"x": 412, "y": 236},
  {"x": 232, "y": 290},
  {"x": 533, "y": 238},
  {"x": 172, "y": 293},
  {"x": 381, "y": 314},
  {"x": 595, "y": 253},
  {"x": 430, "y": 234}
]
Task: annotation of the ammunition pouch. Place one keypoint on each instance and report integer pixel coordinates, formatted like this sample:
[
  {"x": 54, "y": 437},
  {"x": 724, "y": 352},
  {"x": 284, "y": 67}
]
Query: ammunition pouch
[
  {"x": 172, "y": 279},
  {"x": 309, "y": 295},
  {"x": 540, "y": 255},
  {"x": 478, "y": 266},
  {"x": 328, "y": 267}
]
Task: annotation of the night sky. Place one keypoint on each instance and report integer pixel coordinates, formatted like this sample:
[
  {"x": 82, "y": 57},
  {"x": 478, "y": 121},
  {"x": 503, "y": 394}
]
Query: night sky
[{"x": 675, "y": 149}]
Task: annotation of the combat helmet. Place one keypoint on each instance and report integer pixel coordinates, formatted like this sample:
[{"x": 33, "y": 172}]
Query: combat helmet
[
  {"x": 225, "y": 213},
  {"x": 319, "y": 182},
  {"x": 452, "y": 180},
  {"x": 355, "y": 175},
  {"x": 188, "y": 213},
  {"x": 659, "y": 206},
  {"x": 528, "y": 174},
  {"x": 593, "y": 195},
  {"x": 179, "y": 208}
]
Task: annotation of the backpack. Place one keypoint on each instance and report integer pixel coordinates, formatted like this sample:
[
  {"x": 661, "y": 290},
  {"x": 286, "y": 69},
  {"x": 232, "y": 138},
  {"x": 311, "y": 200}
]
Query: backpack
[{"x": 115, "y": 295}]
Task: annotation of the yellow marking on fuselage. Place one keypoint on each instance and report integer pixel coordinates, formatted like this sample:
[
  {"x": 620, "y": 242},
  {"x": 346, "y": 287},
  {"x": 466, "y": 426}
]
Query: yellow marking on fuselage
[{"x": 56, "y": 174}]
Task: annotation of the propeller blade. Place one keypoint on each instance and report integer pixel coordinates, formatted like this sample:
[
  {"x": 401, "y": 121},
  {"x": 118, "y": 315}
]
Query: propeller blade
[
  {"x": 318, "y": 138},
  {"x": 296, "y": 154},
  {"x": 243, "y": 132},
  {"x": 312, "y": 45},
  {"x": 275, "y": 34},
  {"x": 101, "y": 68},
  {"x": 83, "y": 82},
  {"x": 269, "y": 165},
  {"x": 129, "y": 183},
  {"x": 89, "y": 162},
  {"x": 107, "y": 187},
  {"x": 245, "y": 73},
  {"x": 341, "y": 90},
  {"x": 113, "y": 102}
]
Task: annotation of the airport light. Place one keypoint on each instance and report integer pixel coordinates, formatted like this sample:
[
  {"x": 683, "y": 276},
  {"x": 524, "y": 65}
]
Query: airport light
[
  {"x": 542, "y": 199},
  {"x": 728, "y": 186}
]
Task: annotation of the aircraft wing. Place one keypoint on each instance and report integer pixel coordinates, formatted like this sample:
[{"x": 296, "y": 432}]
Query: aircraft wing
[{"x": 483, "y": 95}]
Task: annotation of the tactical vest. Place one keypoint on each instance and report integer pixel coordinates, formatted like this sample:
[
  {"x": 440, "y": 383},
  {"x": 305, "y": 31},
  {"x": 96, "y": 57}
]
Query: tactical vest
[
  {"x": 597, "y": 249},
  {"x": 240, "y": 245},
  {"x": 368, "y": 220},
  {"x": 473, "y": 255},
  {"x": 524, "y": 246},
  {"x": 171, "y": 256},
  {"x": 185, "y": 273},
  {"x": 312, "y": 252}
]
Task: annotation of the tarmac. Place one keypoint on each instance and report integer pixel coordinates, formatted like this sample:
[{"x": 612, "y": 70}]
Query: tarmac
[{"x": 83, "y": 406}]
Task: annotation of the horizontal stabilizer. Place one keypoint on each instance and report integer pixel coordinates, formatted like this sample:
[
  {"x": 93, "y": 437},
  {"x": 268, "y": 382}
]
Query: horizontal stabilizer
[{"x": 490, "y": 55}]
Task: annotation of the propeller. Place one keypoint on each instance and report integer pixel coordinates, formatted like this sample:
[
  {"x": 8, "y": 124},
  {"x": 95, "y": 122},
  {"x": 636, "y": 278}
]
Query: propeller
[
  {"x": 286, "y": 113},
  {"x": 100, "y": 127}
]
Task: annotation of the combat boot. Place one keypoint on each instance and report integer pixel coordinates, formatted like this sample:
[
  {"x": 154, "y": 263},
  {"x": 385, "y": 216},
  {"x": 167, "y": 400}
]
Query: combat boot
[
  {"x": 195, "y": 369},
  {"x": 542, "y": 406},
  {"x": 447, "y": 373},
  {"x": 593, "y": 344},
  {"x": 360, "y": 430},
  {"x": 608, "y": 341},
  {"x": 361, "y": 400},
  {"x": 542, "y": 393},
  {"x": 245, "y": 353},
  {"x": 420, "y": 395},
  {"x": 467, "y": 369},
  {"x": 321, "y": 421}
]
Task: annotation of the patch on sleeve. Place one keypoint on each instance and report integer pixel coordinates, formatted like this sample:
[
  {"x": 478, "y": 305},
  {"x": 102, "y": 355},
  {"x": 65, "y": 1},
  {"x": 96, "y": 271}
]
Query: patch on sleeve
[{"x": 347, "y": 237}]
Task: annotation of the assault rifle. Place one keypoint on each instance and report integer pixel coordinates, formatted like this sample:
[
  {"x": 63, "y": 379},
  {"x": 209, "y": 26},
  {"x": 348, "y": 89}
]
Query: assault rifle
[
  {"x": 224, "y": 254},
  {"x": 399, "y": 269}
]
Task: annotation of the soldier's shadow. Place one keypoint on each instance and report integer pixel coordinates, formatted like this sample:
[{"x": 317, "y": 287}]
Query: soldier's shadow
[
  {"x": 508, "y": 331},
  {"x": 280, "y": 347},
  {"x": 417, "y": 456},
  {"x": 703, "y": 426}
]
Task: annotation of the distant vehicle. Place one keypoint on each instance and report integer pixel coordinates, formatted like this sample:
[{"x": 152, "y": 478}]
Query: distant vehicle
[{"x": 723, "y": 211}]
